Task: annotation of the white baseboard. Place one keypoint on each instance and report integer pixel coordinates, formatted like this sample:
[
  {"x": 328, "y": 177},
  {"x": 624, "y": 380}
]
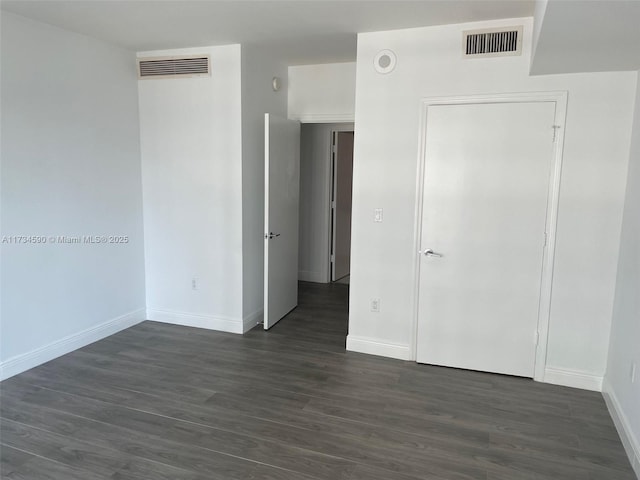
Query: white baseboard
[
  {"x": 33, "y": 358},
  {"x": 629, "y": 440},
  {"x": 252, "y": 320},
  {"x": 211, "y": 322},
  {"x": 573, "y": 378},
  {"x": 375, "y": 347},
  {"x": 315, "y": 277}
]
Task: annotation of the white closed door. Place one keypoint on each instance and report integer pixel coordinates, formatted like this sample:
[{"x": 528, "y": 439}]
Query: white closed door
[
  {"x": 486, "y": 181},
  {"x": 282, "y": 198}
]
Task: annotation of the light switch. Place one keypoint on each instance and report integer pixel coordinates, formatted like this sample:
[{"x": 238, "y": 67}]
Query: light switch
[{"x": 377, "y": 215}]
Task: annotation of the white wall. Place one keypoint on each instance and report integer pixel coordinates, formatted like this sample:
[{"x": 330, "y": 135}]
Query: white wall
[
  {"x": 597, "y": 138},
  {"x": 259, "y": 66},
  {"x": 192, "y": 186},
  {"x": 564, "y": 28},
  {"x": 70, "y": 166},
  {"x": 315, "y": 198},
  {"x": 624, "y": 349},
  {"x": 322, "y": 93}
]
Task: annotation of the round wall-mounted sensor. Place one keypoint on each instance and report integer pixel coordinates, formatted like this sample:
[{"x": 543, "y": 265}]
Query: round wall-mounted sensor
[
  {"x": 384, "y": 61},
  {"x": 275, "y": 84}
]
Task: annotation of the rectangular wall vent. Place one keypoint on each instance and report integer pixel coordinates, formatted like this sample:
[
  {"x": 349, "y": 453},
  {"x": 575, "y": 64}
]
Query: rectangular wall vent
[
  {"x": 172, "y": 67},
  {"x": 494, "y": 42}
]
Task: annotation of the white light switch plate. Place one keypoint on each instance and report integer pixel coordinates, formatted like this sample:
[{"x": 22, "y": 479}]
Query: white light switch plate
[
  {"x": 377, "y": 215},
  {"x": 375, "y": 305}
]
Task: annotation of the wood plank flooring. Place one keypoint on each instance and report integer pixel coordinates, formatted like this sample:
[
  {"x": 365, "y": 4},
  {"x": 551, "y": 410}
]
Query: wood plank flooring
[{"x": 165, "y": 402}]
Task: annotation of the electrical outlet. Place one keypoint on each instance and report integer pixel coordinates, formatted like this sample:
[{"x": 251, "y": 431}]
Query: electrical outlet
[
  {"x": 377, "y": 215},
  {"x": 632, "y": 373},
  {"x": 375, "y": 305},
  {"x": 194, "y": 283}
]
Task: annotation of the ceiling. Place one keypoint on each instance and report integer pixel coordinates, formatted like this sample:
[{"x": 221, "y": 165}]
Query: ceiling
[
  {"x": 303, "y": 31},
  {"x": 588, "y": 36}
]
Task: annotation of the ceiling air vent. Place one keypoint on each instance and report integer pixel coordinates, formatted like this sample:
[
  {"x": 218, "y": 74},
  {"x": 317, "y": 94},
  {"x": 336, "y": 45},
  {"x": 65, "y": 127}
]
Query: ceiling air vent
[
  {"x": 492, "y": 42},
  {"x": 173, "y": 67}
]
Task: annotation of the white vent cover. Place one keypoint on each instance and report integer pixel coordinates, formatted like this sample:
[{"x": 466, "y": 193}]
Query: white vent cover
[
  {"x": 171, "y": 67},
  {"x": 492, "y": 42}
]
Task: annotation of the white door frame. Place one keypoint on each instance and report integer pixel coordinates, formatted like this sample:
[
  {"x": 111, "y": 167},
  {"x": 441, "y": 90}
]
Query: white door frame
[{"x": 556, "y": 132}]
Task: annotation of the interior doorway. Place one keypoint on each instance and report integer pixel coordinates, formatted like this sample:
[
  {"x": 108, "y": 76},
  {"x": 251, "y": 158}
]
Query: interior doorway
[
  {"x": 314, "y": 185},
  {"x": 326, "y": 163},
  {"x": 324, "y": 236}
]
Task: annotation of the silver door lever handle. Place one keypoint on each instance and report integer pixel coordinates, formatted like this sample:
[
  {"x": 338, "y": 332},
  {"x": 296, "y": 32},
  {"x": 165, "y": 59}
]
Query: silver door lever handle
[{"x": 430, "y": 253}]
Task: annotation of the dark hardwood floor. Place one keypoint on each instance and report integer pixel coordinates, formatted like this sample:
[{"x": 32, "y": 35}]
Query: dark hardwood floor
[{"x": 165, "y": 402}]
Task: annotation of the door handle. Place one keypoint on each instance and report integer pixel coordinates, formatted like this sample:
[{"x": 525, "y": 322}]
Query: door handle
[
  {"x": 430, "y": 253},
  {"x": 271, "y": 235}
]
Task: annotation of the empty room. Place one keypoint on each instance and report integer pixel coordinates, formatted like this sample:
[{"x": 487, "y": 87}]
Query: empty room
[{"x": 320, "y": 240}]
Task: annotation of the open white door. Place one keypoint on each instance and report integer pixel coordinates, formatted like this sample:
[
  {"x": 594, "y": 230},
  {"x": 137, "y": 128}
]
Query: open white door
[
  {"x": 281, "y": 204},
  {"x": 486, "y": 181},
  {"x": 341, "y": 204}
]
